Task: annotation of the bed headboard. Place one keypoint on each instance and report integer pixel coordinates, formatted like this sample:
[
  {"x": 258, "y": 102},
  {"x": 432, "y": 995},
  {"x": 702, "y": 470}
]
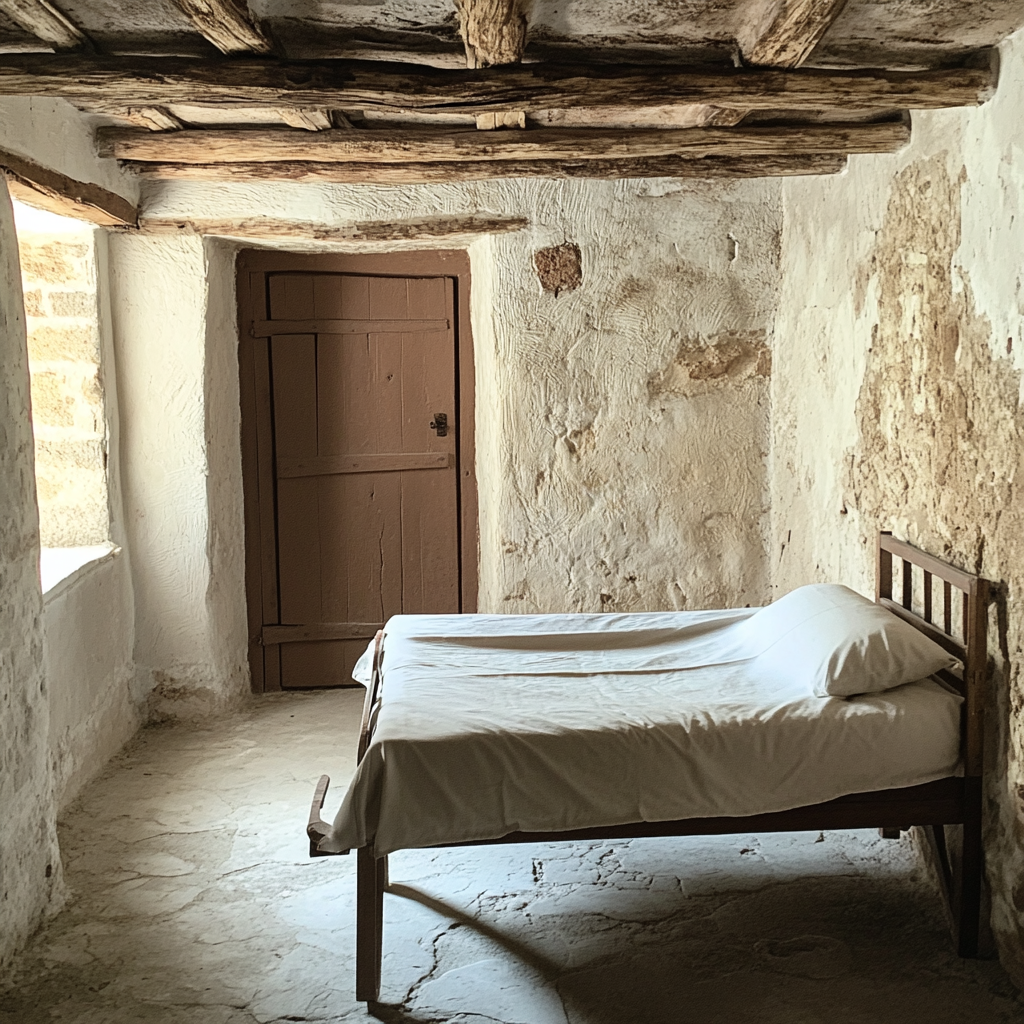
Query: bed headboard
[{"x": 970, "y": 646}]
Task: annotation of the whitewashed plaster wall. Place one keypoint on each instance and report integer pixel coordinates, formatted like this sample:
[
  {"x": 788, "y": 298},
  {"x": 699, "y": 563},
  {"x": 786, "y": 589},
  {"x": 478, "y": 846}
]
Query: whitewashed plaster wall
[
  {"x": 180, "y": 468},
  {"x": 622, "y": 427},
  {"x": 29, "y": 863},
  {"x": 55, "y": 134},
  {"x": 896, "y": 396},
  {"x": 89, "y": 618}
]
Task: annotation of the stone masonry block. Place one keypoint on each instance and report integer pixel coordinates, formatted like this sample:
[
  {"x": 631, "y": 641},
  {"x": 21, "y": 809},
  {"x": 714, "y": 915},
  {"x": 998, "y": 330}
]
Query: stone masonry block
[
  {"x": 34, "y": 302},
  {"x": 54, "y": 261},
  {"x": 66, "y": 342},
  {"x": 51, "y": 404},
  {"x": 72, "y": 303}
]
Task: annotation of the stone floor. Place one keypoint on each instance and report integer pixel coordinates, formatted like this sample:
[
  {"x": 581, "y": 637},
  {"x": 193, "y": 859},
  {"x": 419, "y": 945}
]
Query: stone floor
[{"x": 193, "y": 900}]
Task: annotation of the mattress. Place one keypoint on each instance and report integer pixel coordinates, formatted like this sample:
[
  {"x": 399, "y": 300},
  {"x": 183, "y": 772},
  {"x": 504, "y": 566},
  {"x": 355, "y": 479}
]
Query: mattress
[{"x": 493, "y": 724}]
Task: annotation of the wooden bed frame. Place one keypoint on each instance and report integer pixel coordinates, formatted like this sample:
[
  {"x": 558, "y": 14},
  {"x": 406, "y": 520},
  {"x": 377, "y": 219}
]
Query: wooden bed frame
[{"x": 954, "y": 801}]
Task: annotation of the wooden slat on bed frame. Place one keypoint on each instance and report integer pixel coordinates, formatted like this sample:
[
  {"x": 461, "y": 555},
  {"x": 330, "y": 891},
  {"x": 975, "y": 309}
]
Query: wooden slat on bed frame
[{"x": 954, "y": 801}]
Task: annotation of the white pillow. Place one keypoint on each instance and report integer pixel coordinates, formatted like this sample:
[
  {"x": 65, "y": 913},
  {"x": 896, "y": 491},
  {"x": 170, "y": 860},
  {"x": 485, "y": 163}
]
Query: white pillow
[{"x": 838, "y": 643}]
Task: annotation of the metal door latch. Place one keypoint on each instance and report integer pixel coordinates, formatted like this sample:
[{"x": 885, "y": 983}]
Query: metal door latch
[{"x": 440, "y": 424}]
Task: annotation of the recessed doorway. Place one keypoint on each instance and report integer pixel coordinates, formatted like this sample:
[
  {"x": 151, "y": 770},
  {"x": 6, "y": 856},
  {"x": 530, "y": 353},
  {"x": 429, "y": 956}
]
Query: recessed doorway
[{"x": 357, "y": 443}]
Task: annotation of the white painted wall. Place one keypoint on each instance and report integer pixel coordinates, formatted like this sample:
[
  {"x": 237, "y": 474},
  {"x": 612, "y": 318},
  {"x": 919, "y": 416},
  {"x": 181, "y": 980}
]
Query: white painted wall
[
  {"x": 899, "y": 351},
  {"x": 55, "y": 134},
  {"x": 29, "y": 863},
  {"x": 181, "y": 468}
]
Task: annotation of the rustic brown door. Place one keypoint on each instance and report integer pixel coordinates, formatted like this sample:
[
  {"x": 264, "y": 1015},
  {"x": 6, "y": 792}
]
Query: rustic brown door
[{"x": 359, "y": 412}]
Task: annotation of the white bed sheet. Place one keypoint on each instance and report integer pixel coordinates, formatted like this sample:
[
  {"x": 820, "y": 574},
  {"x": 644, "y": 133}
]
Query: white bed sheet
[{"x": 491, "y": 724}]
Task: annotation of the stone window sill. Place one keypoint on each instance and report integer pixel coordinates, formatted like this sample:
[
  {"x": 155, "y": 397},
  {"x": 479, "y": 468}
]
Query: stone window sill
[{"x": 61, "y": 568}]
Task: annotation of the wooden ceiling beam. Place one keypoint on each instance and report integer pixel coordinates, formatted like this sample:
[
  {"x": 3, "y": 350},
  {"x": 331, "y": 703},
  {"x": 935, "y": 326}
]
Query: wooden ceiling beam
[
  {"x": 161, "y": 81},
  {"x": 228, "y": 24},
  {"x": 777, "y": 33},
  {"x": 361, "y": 231},
  {"x": 493, "y": 31},
  {"x": 414, "y": 174},
  {"x": 782, "y": 33},
  {"x": 452, "y": 145},
  {"x": 47, "y": 23},
  {"x": 50, "y": 190}
]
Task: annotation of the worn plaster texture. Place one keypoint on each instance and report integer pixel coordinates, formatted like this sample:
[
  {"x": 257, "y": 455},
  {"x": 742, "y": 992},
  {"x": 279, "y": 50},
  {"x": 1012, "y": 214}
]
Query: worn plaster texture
[
  {"x": 30, "y": 869},
  {"x": 175, "y": 344},
  {"x": 896, "y": 391},
  {"x": 605, "y": 483},
  {"x": 89, "y": 627},
  {"x": 194, "y": 901}
]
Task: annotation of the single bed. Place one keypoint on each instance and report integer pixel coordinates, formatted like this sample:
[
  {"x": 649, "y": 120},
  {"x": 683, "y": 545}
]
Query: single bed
[{"x": 512, "y": 729}]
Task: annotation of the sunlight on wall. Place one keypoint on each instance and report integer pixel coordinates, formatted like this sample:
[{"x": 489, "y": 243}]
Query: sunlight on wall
[{"x": 59, "y": 277}]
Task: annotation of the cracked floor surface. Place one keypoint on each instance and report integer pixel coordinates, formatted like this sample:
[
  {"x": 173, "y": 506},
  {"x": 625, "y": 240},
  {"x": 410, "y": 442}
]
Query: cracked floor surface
[{"x": 192, "y": 900}]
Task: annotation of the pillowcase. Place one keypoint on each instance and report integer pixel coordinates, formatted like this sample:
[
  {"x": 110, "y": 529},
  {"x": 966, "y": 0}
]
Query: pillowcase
[{"x": 838, "y": 644}]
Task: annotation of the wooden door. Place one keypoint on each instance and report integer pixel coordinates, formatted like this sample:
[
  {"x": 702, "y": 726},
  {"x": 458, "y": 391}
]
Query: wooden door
[{"x": 359, "y": 423}]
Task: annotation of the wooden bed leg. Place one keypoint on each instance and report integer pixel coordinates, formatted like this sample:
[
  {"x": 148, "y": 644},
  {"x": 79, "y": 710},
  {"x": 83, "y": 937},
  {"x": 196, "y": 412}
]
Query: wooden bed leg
[
  {"x": 960, "y": 878},
  {"x": 371, "y": 878},
  {"x": 967, "y": 887}
]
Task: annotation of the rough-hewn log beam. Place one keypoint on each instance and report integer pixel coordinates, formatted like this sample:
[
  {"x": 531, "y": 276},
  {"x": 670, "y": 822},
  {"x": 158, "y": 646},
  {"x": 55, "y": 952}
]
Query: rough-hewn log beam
[
  {"x": 494, "y": 31},
  {"x": 47, "y": 23},
  {"x": 361, "y": 231},
  {"x": 50, "y": 190},
  {"x": 228, "y": 24},
  {"x": 783, "y": 33},
  {"x": 161, "y": 81},
  {"x": 156, "y": 119},
  {"x": 315, "y": 120},
  {"x": 432, "y": 145},
  {"x": 412, "y": 174}
]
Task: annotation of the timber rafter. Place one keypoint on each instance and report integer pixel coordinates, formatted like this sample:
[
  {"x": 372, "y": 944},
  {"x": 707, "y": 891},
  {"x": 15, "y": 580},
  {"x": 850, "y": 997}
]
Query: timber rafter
[
  {"x": 447, "y": 146},
  {"x": 482, "y": 170},
  {"x": 221, "y": 82}
]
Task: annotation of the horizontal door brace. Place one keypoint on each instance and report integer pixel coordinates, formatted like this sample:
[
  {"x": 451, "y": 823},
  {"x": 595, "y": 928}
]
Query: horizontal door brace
[
  {"x": 329, "y": 465},
  {"x": 272, "y": 328},
  {"x": 320, "y": 631}
]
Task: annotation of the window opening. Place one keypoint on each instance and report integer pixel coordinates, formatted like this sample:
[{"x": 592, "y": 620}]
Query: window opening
[{"x": 59, "y": 279}]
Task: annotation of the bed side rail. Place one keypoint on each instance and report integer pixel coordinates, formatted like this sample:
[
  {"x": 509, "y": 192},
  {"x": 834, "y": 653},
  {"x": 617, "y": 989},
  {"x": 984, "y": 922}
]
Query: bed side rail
[{"x": 316, "y": 828}]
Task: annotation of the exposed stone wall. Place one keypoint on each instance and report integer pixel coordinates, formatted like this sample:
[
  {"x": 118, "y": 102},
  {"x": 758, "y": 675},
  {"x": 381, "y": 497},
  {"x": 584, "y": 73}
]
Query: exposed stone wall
[
  {"x": 61, "y": 303},
  {"x": 897, "y": 388},
  {"x": 29, "y": 862}
]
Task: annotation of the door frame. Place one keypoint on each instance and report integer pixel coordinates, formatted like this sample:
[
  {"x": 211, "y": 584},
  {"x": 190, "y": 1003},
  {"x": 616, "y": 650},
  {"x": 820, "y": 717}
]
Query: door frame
[{"x": 257, "y": 456}]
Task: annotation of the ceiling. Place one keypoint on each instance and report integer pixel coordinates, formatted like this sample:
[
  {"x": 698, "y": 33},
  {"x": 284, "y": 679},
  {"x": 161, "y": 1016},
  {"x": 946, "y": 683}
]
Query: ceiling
[
  {"x": 901, "y": 33},
  {"x": 745, "y": 39}
]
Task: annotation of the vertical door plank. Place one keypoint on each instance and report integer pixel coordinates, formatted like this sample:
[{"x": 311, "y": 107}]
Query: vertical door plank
[
  {"x": 389, "y": 298},
  {"x": 295, "y": 397},
  {"x": 267, "y": 498},
  {"x": 355, "y": 297},
  {"x": 298, "y": 546},
  {"x": 430, "y": 515},
  {"x": 298, "y": 515},
  {"x": 291, "y": 296},
  {"x": 430, "y": 539},
  {"x": 361, "y": 545},
  {"x": 346, "y": 410},
  {"x": 250, "y": 304}
]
